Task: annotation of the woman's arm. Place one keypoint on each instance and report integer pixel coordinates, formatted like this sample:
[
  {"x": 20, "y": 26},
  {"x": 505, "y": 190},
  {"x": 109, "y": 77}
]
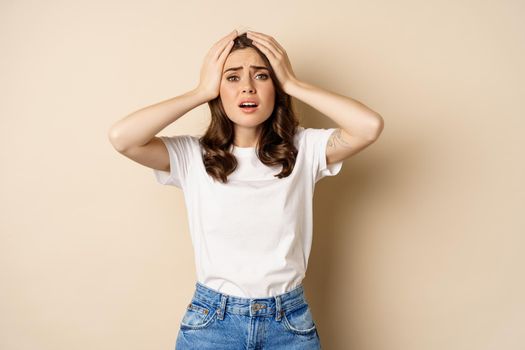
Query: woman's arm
[
  {"x": 352, "y": 116},
  {"x": 359, "y": 126},
  {"x": 139, "y": 127}
]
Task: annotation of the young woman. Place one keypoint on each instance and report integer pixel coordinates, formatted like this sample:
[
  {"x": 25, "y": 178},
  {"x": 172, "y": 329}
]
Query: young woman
[{"x": 248, "y": 185}]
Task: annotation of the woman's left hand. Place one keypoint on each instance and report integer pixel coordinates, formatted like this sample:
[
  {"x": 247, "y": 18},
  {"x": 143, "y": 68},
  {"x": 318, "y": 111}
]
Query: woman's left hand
[{"x": 277, "y": 56}]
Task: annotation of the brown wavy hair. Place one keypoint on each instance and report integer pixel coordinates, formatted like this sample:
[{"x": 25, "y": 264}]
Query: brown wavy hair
[{"x": 275, "y": 144}]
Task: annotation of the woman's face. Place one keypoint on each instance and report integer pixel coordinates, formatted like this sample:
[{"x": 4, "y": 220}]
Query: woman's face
[{"x": 246, "y": 83}]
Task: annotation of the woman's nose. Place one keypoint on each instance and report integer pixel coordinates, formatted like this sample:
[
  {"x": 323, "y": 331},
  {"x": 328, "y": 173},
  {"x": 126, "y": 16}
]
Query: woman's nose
[{"x": 248, "y": 86}]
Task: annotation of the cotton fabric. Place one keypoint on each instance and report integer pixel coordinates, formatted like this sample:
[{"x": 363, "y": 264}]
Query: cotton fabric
[{"x": 252, "y": 236}]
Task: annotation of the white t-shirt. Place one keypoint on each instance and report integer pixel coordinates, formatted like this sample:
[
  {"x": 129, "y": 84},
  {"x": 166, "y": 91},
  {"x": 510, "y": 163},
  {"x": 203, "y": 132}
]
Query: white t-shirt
[{"x": 251, "y": 236}]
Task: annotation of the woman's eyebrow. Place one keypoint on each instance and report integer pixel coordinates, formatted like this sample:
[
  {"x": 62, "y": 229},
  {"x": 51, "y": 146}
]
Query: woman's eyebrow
[{"x": 237, "y": 68}]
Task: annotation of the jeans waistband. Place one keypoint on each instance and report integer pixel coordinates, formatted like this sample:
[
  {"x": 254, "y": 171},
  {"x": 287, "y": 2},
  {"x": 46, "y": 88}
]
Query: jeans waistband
[{"x": 270, "y": 307}]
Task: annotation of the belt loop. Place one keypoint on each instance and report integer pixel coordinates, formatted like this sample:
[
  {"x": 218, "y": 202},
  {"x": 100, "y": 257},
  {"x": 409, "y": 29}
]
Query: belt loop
[
  {"x": 278, "y": 310},
  {"x": 222, "y": 308}
]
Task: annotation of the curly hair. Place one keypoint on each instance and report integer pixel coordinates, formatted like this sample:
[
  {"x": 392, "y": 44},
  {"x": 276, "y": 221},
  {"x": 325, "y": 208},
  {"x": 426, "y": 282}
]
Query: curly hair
[{"x": 275, "y": 144}]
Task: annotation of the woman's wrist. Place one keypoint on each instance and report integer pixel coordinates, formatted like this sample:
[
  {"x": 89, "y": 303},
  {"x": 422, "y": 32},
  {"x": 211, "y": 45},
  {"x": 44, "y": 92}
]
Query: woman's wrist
[{"x": 202, "y": 94}]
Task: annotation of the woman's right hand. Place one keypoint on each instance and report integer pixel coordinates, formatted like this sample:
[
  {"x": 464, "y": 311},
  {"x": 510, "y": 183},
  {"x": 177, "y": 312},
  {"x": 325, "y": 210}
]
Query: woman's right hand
[{"x": 211, "y": 71}]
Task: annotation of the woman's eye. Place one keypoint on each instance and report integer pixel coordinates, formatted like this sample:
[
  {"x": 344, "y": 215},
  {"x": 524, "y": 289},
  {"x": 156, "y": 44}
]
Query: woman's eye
[{"x": 234, "y": 76}]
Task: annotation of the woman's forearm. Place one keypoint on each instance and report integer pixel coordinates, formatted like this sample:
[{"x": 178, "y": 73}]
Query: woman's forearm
[
  {"x": 349, "y": 114},
  {"x": 138, "y": 128}
]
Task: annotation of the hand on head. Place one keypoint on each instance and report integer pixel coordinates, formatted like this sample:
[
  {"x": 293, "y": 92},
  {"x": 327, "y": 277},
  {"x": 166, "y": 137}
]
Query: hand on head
[{"x": 211, "y": 70}]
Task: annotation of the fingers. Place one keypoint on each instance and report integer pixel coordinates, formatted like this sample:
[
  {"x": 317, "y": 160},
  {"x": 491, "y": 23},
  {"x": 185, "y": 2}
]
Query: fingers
[
  {"x": 266, "y": 40},
  {"x": 228, "y": 36},
  {"x": 269, "y": 53},
  {"x": 266, "y": 47},
  {"x": 220, "y": 45},
  {"x": 225, "y": 52}
]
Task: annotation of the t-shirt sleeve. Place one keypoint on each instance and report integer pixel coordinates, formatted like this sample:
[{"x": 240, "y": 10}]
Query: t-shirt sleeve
[
  {"x": 181, "y": 152},
  {"x": 317, "y": 140}
]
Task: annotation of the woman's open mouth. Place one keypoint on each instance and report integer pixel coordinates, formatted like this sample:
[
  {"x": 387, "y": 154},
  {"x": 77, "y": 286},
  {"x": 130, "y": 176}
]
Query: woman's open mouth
[{"x": 248, "y": 107}]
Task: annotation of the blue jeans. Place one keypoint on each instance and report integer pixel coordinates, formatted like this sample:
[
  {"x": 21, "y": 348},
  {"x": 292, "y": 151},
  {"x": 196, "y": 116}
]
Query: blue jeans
[{"x": 218, "y": 321}]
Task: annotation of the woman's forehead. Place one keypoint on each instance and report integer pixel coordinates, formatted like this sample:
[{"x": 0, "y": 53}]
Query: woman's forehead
[{"x": 245, "y": 57}]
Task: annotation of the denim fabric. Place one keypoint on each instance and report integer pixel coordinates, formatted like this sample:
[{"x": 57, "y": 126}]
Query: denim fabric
[{"x": 218, "y": 321}]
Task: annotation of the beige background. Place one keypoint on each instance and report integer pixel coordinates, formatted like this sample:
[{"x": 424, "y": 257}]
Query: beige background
[{"x": 418, "y": 242}]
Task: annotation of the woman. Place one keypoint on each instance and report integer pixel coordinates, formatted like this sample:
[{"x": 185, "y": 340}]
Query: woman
[{"x": 248, "y": 185}]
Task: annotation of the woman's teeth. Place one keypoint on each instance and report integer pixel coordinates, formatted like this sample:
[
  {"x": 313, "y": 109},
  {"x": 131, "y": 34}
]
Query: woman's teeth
[{"x": 248, "y": 108}]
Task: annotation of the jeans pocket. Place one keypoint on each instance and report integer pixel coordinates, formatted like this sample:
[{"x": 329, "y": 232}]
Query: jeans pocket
[
  {"x": 299, "y": 321},
  {"x": 198, "y": 315}
]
